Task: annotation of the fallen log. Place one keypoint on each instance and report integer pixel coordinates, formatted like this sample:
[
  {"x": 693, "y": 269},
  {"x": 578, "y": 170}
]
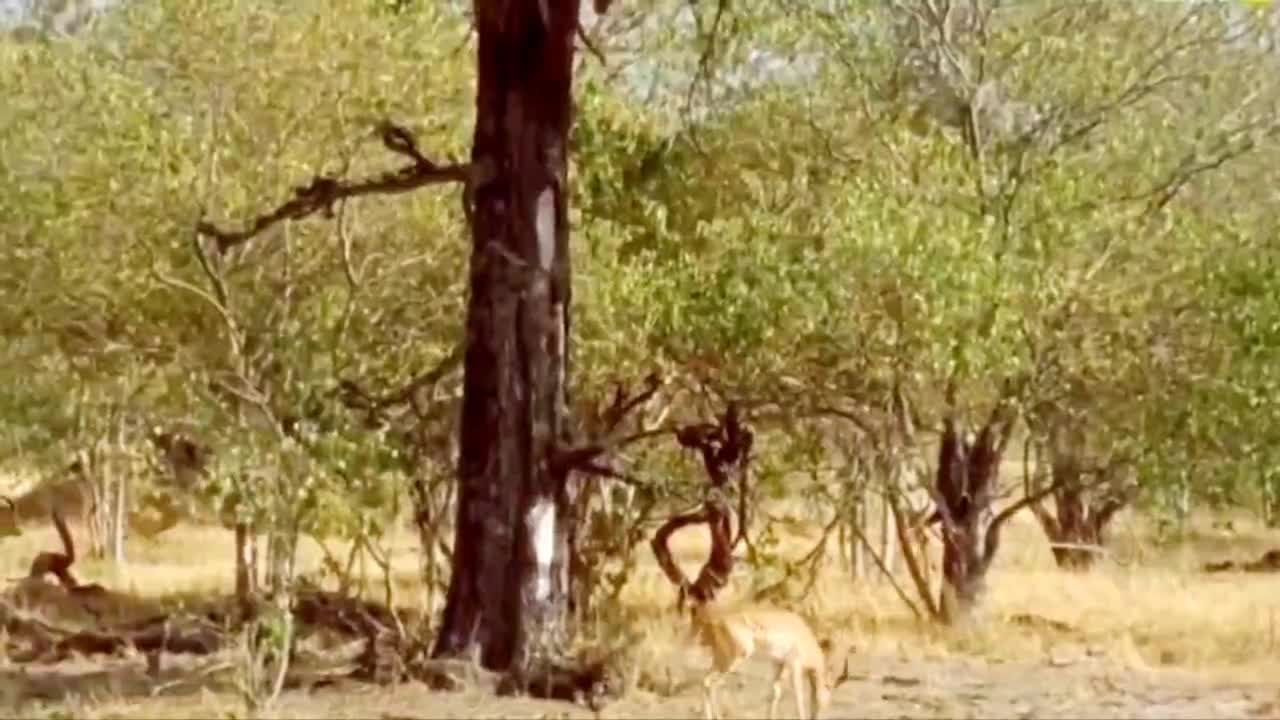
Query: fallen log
[
  {"x": 49, "y": 643},
  {"x": 1268, "y": 562}
]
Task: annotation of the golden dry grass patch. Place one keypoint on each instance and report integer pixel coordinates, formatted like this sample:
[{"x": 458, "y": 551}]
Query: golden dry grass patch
[
  {"x": 1143, "y": 607},
  {"x": 1137, "y": 611}
]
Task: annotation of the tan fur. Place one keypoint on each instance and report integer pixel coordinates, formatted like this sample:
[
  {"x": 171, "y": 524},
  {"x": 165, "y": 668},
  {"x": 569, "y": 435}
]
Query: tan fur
[
  {"x": 782, "y": 636},
  {"x": 69, "y": 494},
  {"x": 157, "y": 511}
]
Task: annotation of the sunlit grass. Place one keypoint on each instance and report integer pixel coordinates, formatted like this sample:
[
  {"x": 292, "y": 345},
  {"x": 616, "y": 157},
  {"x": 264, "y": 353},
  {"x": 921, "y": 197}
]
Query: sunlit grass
[
  {"x": 1143, "y": 608},
  {"x": 1140, "y": 609}
]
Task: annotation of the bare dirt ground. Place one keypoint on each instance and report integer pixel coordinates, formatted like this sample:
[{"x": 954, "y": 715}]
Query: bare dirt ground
[{"x": 880, "y": 687}]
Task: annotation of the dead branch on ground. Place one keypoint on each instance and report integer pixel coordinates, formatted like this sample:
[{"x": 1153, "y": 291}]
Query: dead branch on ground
[{"x": 1268, "y": 562}]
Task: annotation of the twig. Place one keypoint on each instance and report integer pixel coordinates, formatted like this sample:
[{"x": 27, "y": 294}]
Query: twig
[
  {"x": 884, "y": 570},
  {"x": 812, "y": 559},
  {"x": 591, "y": 46},
  {"x": 356, "y": 398},
  {"x": 707, "y": 56}
]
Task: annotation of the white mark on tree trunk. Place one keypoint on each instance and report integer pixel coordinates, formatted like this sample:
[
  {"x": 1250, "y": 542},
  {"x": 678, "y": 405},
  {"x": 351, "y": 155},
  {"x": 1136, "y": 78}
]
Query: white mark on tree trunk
[
  {"x": 542, "y": 528},
  {"x": 560, "y": 349},
  {"x": 545, "y": 226}
]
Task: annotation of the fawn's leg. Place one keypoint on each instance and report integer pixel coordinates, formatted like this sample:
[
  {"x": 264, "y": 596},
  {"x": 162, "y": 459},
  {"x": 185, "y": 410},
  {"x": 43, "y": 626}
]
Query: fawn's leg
[
  {"x": 797, "y": 686},
  {"x": 821, "y": 694},
  {"x": 776, "y": 695},
  {"x": 709, "y": 695},
  {"x": 726, "y": 656}
]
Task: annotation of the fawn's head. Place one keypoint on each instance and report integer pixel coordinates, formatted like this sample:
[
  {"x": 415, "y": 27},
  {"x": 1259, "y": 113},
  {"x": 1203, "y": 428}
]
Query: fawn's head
[
  {"x": 699, "y": 607},
  {"x": 837, "y": 669}
]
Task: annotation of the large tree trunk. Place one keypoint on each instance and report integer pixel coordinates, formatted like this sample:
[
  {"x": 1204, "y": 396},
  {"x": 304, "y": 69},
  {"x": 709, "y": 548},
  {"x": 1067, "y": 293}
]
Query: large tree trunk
[
  {"x": 508, "y": 593},
  {"x": 965, "y": 487}
]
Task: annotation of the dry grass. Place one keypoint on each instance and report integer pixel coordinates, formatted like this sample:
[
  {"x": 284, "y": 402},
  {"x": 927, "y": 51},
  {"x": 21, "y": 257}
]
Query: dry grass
[
  {"x": 1144, "y": 611},
  {"x": 1145, "y": 608}
]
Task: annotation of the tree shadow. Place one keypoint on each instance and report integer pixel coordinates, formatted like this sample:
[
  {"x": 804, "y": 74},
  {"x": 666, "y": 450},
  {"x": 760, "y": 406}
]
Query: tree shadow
[{"x": 117, "y": 678}]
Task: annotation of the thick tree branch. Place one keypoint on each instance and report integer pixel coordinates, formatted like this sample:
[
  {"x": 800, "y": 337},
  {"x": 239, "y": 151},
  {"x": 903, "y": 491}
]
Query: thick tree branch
[
  {"x": 579, "y": 457},
  {"x": 1103, "y": 513},
  {"x": 722, "y": 446},
  {"x": 325, "y": 191},
  {"x": 913, "y": 561},
  {"x": 991, "y": 543},
  {"x": 715, "y": 572},
  {"x": 623, "y": 404}
]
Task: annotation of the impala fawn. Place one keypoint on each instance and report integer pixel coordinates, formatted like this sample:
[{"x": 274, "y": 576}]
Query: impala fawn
[{"x": 784, "y": 637}]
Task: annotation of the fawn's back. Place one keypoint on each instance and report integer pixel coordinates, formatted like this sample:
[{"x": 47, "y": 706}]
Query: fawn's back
[{"x": 782, "y": 636}]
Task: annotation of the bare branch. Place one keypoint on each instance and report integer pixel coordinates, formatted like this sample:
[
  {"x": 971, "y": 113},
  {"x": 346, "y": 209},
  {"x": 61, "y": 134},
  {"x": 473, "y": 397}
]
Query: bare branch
[
  {"x": 623, "y": 404},
  {"x": 567, "y": 459},
  {"x": 590, "y": 45},
  {"x": 811, "y": 562},
  {"x": 888, "y": 574},
  {"x": 354, "y": 397},
  {"x": 908, "y": 554},
  {"x": 344, "y": 240},
  {"x": 706, "y": 58},
  {"x": 325, "y": 191},
  {"x": 218, "y": 303}
]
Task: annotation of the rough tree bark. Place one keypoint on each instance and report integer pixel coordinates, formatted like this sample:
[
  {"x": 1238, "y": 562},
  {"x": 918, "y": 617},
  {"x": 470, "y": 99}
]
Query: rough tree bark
[
  {"x": 508, "y": 593},
  {"x": 966, "y": 476},
  {"x": 964, "y": 489}
]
